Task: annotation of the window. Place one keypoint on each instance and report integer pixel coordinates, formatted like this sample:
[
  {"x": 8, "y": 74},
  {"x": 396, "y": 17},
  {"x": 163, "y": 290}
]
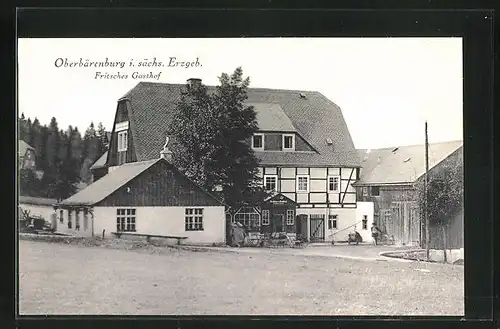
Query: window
[
  {"x": 334, "y": 184},
  {"x": 249, "y": 217},
  {"x": 302, "y": 183},
  {"x": 270, "y": 182},
  {"x": 122, "y": 141},
  {"x": 365, "y": 191},
  {"x": 85, "y": 219},
  {"x": 288, "y": 142},
  {"x": 375, "y": 191},
  {"x": 265, "y": 217},
  {"x": 125, "y": 220},
  {"x": 193, "y": 219},
  {"x": 61, "y": 216},
  {"x": 290, "y": 216},
  {"x": 70, "y": 225},
  {"x": 258, "y": 141},
  {"x": 332, "y": 222},
  {"x": 77, "y": 220},
  {"x": 365, "y": 222}
]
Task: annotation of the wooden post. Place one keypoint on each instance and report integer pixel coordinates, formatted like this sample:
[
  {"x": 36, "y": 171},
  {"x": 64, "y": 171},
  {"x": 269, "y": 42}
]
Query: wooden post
[{"x": 425, "y": 194}]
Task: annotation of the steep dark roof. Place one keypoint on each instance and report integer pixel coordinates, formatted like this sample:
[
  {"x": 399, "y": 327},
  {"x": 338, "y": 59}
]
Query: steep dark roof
[
  {"x": 111, "y": 182},
  {"x": 314, "y": 117},
  {"x": 271, "y": 117},
  {"x": 401, "y": 164}
]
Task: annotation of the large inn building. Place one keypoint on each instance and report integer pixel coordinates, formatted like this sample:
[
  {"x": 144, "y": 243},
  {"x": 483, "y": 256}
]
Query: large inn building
[{"x": 307, "y": 157}]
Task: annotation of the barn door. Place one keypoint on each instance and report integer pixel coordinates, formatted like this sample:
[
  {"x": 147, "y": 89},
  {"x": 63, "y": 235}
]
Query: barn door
[
  {"x": 317, "y": 227},
  {"x": 414, "y": 225}
]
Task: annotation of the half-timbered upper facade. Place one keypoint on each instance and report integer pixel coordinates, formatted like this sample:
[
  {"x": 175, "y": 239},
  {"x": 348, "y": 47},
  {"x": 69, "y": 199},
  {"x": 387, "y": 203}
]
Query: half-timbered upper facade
[{"x": 303, "y": 144}]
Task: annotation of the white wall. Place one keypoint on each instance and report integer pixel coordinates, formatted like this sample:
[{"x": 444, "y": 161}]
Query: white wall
[
  {"x": 348, "y": 220},
  {"x": 365, "y": 208},
  {"x": 62, "y": 225},
  {"x": 166, "y": 221},
  {"x": 38, "y": 210}
]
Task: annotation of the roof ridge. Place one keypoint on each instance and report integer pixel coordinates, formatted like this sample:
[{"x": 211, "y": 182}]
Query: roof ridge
[
  {"x": 401, "y": 146},
  {"x": 213, "y": 86}
]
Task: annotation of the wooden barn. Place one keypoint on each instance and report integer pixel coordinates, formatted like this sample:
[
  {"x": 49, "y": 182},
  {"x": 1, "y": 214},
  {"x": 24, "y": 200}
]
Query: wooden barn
[
  {"x": 388, "y": 179},
  {"x": 306, "y": 153},
  {"x": 146, "y": 198}
]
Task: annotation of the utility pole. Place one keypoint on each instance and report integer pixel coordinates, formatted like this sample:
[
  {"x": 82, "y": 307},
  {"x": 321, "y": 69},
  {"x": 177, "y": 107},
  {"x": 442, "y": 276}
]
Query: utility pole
[{"x": 426, "y": 186}]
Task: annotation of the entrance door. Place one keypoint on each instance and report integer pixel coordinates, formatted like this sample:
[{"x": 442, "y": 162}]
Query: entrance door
[
  {"x": 277, "y": 223},
  {"x": 317, "y": 230}
]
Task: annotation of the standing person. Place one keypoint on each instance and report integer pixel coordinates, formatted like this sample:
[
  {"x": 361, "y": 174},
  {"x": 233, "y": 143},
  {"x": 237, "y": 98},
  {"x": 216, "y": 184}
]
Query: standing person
[{"x": 375, "y": 233}]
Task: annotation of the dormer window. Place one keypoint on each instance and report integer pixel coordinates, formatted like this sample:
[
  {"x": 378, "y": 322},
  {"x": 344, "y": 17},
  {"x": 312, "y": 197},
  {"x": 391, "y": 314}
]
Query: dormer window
[
  {"x": 122, "y": 141},
  {"x": 121, "y": 128},
  {"x": 288, "y": 142},
  {"x": 258, "y": 141}
]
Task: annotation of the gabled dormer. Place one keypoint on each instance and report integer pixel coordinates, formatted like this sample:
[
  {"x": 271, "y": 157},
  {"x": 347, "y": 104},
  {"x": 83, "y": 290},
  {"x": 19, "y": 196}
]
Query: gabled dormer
[
  {"x": 279, "y": 141},
  {"x": 276, "y": 130},
  {"x": 121, "y": 146}
]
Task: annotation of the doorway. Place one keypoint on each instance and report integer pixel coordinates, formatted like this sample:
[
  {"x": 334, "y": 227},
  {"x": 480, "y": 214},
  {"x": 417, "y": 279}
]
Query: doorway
[
  {"x": 317, "y": 227},
  {"x": 277, "y": 223}
]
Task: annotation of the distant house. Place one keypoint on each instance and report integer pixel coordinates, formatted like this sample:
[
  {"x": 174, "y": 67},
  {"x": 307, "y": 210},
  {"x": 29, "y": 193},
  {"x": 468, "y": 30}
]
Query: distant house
[
  {"x": 308, "y": 161},
  {"x": 99, "y": 168},
  {"x": 388, "y": 179},
  {"x": 145, "y": 197},
  {"x": 27, "y": 156}
]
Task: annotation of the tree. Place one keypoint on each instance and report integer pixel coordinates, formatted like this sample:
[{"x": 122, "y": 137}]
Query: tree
[
  {"x": 444, "y": 192},
  {"x": 193, "y": 128},
  {"x": 91, "y": 151},
  {"x": 76, "y": 149},
  {"x": 21, "y": 124},
  {"x": 103, "y": 138},
  {"x": 37, "y": 141},
  {"x": 212, "y": 134},
  {"x": 42, "y": 162},
  {"x": 52, "y": 145},
  {"x": 29, "y": 185},
  {"x": 237, "y": 124},
  {"x": 28, "y": 138}
]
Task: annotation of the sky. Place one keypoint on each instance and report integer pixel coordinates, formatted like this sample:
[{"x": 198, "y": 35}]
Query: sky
[{"x": 386, "y": 87}]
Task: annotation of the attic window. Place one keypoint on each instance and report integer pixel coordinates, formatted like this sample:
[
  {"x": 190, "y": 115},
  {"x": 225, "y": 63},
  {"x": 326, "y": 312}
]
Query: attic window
[
  {"x": 303, "y": 96},
  {"x": 258, "y": 141},
  {"x": 288, "y": 142},
  {"x": 329, "y": 141},
  {"x": 407, "y": 159}
]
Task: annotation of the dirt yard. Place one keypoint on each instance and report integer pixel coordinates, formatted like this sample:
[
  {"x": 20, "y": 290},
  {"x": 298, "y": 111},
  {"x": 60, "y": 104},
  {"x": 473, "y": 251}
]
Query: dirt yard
[{"x": 71, "y": 279}]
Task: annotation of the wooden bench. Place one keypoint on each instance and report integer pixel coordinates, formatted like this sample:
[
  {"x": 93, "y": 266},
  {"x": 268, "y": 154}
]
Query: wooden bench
[{"x": 148, "y": 236}]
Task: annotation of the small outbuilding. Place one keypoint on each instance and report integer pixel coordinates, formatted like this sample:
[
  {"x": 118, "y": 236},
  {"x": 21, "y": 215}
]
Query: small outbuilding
[
  {"x": 38, "y": 207},
  {"x": 148, "y": 197}
]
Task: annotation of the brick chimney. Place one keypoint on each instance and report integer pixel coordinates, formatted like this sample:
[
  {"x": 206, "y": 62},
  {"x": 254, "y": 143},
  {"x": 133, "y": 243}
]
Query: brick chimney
[
  {"x": 193, "y": 83},
  {"x": 166, "y": 153}
]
